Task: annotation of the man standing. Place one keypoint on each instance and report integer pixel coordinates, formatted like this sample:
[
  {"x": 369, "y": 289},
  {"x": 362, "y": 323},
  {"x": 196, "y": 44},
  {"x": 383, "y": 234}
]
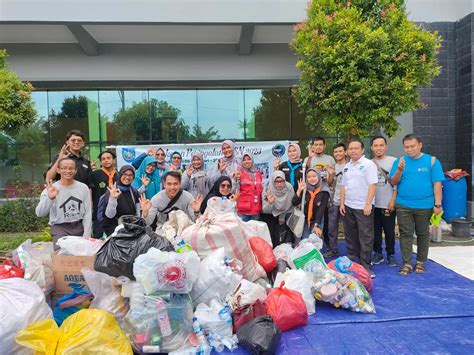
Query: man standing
[
  {"x": 419, "y": 194},
  {"x": 72, "y": 149},
  {"x": 339, "y": 153},
  {"x": 101, "y": 178},
  {"x": 359, "y": 183},
  {"x": 170, "y": 199},
  {"x": 384, "y": 212}
]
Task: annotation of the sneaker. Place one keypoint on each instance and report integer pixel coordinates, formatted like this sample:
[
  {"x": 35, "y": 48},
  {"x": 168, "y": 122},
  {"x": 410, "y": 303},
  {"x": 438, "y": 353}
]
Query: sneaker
[
  {"x": 378, "y": 259},
  {"x": 391, "y": 261},
  {"x": 371, "y": 273},
  {"x": 331, "y": 254}
]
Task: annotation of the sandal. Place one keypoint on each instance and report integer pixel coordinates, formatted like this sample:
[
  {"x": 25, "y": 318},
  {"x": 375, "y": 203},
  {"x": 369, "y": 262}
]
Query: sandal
[
  {"x": 405, "y": 270},
  {"x": 419, "y": 267}
]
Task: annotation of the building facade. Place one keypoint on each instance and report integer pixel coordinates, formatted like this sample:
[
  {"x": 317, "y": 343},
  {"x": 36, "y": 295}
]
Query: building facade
[{"x": 168, "y": 71}]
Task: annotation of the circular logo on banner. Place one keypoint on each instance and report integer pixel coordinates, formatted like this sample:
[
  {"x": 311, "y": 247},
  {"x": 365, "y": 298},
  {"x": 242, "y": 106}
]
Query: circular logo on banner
[
  {"x": 278, "y": 150},
  {"x": 128, "y": 154}
]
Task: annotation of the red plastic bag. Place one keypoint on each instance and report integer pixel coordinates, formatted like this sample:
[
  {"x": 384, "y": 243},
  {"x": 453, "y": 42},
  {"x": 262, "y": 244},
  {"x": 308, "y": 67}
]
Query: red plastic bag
[
  {"x": 243, "y": 315},
  {"x": 264, "y": 253},
  {"x": 346, "y": 266},
  {"x": 286, "y": 307},
  {"x": 8, "y": 271}
]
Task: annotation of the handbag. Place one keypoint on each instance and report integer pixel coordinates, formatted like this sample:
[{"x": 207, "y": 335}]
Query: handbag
[
  {"x": 243, "y": 315},
  {"x": 297, "y": 219}
]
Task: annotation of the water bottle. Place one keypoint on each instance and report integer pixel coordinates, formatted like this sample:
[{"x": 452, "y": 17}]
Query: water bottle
[
  {"x": 215, "y": 342},
  {"x": 225, "y": 314},
  {"x": 163, "y": 318},
  {"x": 197, "y": 328}
]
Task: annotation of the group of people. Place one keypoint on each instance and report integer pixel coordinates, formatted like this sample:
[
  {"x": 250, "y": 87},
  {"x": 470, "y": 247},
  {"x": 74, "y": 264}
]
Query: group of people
[{"x": 367, "y": 195}]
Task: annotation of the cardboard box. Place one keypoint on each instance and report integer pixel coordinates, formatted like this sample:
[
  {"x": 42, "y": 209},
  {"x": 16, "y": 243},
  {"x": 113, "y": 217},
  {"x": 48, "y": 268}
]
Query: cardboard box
[{"x": 67, "y": 271}]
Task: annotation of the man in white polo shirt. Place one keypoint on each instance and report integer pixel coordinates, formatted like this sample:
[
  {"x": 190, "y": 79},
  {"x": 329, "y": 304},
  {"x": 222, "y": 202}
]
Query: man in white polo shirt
[{"x": 359, "y": 183}]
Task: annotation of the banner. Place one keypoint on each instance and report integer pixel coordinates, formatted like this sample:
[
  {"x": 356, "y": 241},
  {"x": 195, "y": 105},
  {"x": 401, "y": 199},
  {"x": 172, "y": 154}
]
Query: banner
[{"x": 264, "y": 153}]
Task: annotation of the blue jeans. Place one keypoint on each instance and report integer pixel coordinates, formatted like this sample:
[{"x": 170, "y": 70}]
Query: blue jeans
[
  {"x": 307, "y": 231},
  {"x": 249, "y": 217}
]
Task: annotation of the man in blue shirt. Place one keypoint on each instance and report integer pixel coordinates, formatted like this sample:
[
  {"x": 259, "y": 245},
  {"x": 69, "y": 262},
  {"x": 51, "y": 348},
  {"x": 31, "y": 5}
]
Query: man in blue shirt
[{"x": 418, "y": 177}]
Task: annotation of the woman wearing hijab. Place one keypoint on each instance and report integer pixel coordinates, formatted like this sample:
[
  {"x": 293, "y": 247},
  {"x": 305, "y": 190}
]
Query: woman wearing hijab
[
  {"x": 148, "y": 176},
  {"x": 229, "y": 164},
  {"x": 175, "y": 162},
  {"x": 249, "y": 203},
  {"x": 195, "y": 178},
  {"x": 221, "y": 188},
  {"x": 277, "y": 205},
  {"x": 315, "y": 202},
  {"x": 293, "y": 167},
  {"x": 122, "y": 199}
]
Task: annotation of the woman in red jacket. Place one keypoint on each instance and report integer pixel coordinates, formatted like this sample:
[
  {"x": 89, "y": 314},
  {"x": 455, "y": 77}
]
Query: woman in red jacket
[{"x": 249, "y": 203}]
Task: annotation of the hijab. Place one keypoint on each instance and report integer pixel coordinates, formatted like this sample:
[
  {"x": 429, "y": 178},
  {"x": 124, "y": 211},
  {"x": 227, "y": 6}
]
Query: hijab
[
  {"x": 178, "y": 167},
  {"x": 161, "y": 165},
  {"x": 283, "y": 197},
  {"x": 232, "y": 145},
  {"x": 310, "y": 187},
  {"x": 120, "y": 185},
  {"x": 214, "y": 192},
  {"x": 199, "y": 176},
  {"x": 154, "y": 185},
  {"x": 313, "y": 191},
  {"x": 252, "y": 170},
  {"x": 298, "y": 150}
]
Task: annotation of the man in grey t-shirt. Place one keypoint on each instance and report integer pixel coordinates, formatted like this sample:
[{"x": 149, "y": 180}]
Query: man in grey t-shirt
[{"x": 384, "y": 213}]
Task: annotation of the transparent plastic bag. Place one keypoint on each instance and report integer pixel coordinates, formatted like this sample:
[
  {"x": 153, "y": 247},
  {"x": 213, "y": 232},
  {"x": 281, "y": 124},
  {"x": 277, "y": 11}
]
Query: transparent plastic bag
[
  {"x": 166, "y": 271},
  {"x": 79, "y": 246},
  {"x": 85, "y": 332},
  {"x": 246, "y": 293},
  {"x": 107, "y": 292},
  {"x": 35, "y": 259},
  {"x": 215, "y": 280},
  {"x": 162, "y": 323},
  {"x": 298, "y": 280}
]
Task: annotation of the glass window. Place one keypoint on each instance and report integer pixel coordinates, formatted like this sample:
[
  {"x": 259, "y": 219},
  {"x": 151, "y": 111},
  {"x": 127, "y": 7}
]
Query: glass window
[
  {"x": 125, "y": 116},
  {"x": 221, "y": 113},
  {"x": 174, "y": 116},
  {"x": 70, "y": 110},
  {"x": 267, "y": 114}
]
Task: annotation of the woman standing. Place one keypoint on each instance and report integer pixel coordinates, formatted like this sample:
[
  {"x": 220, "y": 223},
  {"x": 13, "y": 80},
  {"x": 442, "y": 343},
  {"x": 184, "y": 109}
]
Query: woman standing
[
  {"x": 195, "y": 178},
  {"x": 315, "y": 202},
  {"x": 221, "y": 188},
  {"x": 249, "y": 203},
  {"x": 277, "y": 205},
  {"x": 148, "y": 176},
  {"x": 67, "y": 202},
  {"x": 229, "y": 164},
  {"x": 293, "y": 167},
  {"x": 121, "y": 199}
]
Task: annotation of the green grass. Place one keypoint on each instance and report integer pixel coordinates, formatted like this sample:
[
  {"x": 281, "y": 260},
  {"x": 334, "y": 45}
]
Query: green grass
[{"x": 12, "y": 241}]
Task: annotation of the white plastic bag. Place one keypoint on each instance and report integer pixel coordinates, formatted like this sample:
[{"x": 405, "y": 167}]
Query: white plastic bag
[
  {"x": 216, "y": 322},
  {"x": 257, "y": 229},
  {"x": 166, "y": 271},
  {"x": 304, "y": 255},
  {"x": 298, "y": 280},
  {"x": 21, "y": 303},
  {"x": 246, "y": 293},
  {"x": 174, "y": 226},
  {"x": 107, "y": 293},
  {"x": 283, "y": 252},
  {"x": 215, "y": 280},
  {"x": 79, "y": 246},
  {"x": 35, "y": 259}
]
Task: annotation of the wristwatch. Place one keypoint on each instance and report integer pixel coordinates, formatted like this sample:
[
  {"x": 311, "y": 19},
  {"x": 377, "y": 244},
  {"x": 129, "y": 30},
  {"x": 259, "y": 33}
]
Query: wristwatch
[{"x": 438, "y": 206}]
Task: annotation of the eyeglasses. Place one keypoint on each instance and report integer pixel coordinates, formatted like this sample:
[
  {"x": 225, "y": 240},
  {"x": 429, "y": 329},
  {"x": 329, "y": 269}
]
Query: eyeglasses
[
  {"x": 279, "y": 181},
  {"x": 128, "y": 175},
  {"x": 77, "y": 140},
  {"x": 225, "y": 186}
]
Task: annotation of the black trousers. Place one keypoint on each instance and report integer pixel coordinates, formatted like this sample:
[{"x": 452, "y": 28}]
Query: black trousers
[
  {"x": 359, "y": 235},
  {"x": 387, "y": 224}
]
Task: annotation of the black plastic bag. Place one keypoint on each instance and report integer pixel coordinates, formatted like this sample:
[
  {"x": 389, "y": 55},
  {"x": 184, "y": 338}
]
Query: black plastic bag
[
  {"x": 117, "y": 255},
  {"x": 260, "y": 336},
  {"x": 282, "y": 266}
]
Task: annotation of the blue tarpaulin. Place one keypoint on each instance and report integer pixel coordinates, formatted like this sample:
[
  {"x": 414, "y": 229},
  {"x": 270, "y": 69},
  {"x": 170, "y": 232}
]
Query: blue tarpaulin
[{"x": 418, "y": 314}]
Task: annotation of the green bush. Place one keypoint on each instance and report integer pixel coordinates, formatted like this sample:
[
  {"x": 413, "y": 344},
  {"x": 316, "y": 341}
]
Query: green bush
[
  {"x": 19, "y": 216},
  {"x": 8, "y": 243}
]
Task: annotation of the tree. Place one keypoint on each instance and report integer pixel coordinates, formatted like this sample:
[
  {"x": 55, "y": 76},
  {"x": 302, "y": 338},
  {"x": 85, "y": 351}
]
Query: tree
[
  {"x": 197, "y": 135},
  {"x": 16, "y": 106},
  {"x": 29, "y": 143},
  {"x": 361, "y": 63}
]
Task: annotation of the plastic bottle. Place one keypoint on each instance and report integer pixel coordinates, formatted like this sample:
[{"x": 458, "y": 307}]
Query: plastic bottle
[
  {"x": 224, "y": 311},
  {"x": 197, "y": 328},
  {"x": 315, "y": 240},
  {"x": 163, "y": 318}
]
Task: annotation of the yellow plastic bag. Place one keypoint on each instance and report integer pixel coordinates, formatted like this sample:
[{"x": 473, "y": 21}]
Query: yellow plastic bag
[{"x": 85, "y": 332}]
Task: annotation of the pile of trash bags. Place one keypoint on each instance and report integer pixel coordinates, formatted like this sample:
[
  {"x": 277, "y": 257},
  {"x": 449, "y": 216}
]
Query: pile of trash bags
[{"x": 189, "y": 288}]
